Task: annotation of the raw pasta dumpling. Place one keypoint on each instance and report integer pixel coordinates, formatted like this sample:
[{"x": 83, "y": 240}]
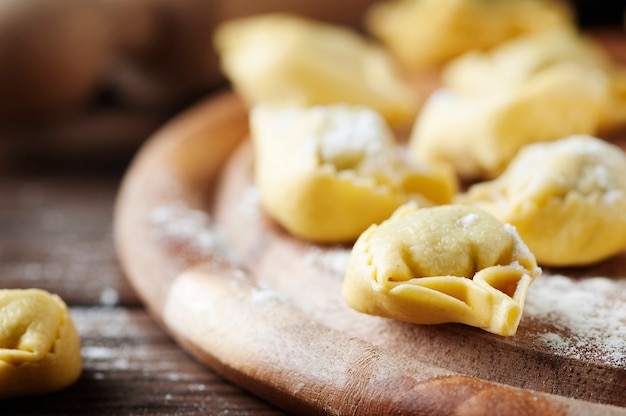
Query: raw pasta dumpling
[
  {"x": 566, "y": 198},
  {"x": 423, "y": 33},
  {"x": 516, "y": 61},
  {"x": 326, "y": 173},
  {"x": 450, "y": 263},
  {"x": 39, "y": 345},
  {"x": 479, "y": 134},
  {"x": 289, "y": 60}
]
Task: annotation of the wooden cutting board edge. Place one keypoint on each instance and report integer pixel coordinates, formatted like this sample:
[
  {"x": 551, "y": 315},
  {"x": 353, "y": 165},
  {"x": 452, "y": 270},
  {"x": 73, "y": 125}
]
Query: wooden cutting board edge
[{"x": 222, "y": 328}]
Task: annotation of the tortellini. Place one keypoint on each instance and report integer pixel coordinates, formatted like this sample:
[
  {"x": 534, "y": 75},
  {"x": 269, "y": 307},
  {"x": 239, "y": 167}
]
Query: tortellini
[
  {"x": 516, "y": 61},
  {"x": 423, "y": 33},
  {"x": 540, "y": 87},
  {"x": 326, "y": 173},
  {"x": 479, "y": 134},
  {"x": 450, "y": 263},
  {"x": 284, "y": 59},
  {"x": 39, "y": 345},
  {"x": 566, "y": 198}
]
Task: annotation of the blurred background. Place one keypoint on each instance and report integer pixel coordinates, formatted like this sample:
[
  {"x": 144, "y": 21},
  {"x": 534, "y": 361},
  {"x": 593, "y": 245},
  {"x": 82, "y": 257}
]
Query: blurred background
[{"x": 87, "y": 81}]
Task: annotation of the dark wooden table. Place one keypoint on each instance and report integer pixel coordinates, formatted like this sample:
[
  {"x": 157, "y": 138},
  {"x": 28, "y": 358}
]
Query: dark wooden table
[{"x": 56, "y": 234}]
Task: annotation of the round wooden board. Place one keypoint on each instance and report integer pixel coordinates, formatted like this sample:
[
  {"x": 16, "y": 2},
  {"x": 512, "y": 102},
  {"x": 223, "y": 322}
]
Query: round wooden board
[{"x": 264, "y": 309}]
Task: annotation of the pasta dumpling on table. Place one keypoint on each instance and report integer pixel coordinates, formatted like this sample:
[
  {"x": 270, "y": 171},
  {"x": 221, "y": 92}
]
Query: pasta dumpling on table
[
  {"x": 566, "y": 198},
  {"x": 450, "y": 263},
  {"x": 326, "y": 173},
  {"x": 39, "y": 345}
]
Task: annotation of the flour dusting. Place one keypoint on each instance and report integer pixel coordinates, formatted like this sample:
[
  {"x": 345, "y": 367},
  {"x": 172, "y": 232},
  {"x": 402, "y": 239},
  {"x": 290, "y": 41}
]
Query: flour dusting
[
  {"x": 263, "y": 294},
  {"x": 588, "y": 315},
  {"x": 333, "y": 260},
  {"x": 468, "y": 220},
  {"x": 250, "y": 203},
  {"x": 109, "y": 297},
  {"x": 183, "y": 225}
]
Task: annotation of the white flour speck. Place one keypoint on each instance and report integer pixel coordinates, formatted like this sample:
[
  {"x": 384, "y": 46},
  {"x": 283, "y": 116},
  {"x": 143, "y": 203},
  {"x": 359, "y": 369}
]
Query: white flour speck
[
  {"x": 173, "y": 377},
  {"x": 250, "y": 203},
  {"x": 109, "y": 297},
  {"x": 468, "y": 220},
  {"x": 97, "y": 353},
  {"x": 197, "y": 387},
  {"x": 121, "y": 364}
]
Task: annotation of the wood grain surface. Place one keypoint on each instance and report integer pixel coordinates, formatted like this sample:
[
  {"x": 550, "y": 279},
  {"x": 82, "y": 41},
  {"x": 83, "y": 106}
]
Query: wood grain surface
[
  {"x": 56, "y": 234},
  {"x": 312, "y": 275},
  {"x": 251, "y": 302}
]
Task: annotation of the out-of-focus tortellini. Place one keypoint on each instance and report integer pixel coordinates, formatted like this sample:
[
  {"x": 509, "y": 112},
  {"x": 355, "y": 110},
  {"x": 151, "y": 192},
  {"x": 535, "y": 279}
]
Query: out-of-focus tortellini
[
  {"x": 288, "y": 60},
  {"x": 450, "y": 263},
  {"x": 515, "y": 62},
  {"x": 39, "y": 345},
  {"x": 614, "y": 117},
  {"x": 423, "y": 33},
  {"x": 566, "y": 198},
  {"x": 480, "y": 133},
  {"x": 326, "y": 173}
]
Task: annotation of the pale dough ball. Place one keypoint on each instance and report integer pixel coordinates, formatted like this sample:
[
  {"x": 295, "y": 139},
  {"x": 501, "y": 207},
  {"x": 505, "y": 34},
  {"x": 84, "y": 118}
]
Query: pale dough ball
[
  {"x": 426, "y": 33},
  {"x": 39, "y": 345},
  {"x": 479, "y": 134},
  {"x": 567, "y": 200},
  {"x": 326, "y": 173},
  {"x": 450, "y": 263},
  {"x": 288, "y": 60}
]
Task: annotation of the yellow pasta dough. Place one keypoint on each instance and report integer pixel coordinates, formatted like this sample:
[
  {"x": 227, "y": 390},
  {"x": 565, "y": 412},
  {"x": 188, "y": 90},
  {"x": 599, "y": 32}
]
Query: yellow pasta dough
[
  {"x": 567, "y": 199},
  {"x": 326, "y": 173},
  {"x": 450, "y": 263},
  {"x": 514, "y": 62},
  {"x": 39, "y": 345},
  {"x": 479, "y": 134},
  {"x": 288, "y": 60},
  {"x": 423, "y": 33}
]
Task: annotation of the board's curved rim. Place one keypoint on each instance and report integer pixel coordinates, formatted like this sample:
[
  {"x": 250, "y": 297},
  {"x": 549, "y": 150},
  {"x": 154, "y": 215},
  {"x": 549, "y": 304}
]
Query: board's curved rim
[{"x": 180, "y": 162}]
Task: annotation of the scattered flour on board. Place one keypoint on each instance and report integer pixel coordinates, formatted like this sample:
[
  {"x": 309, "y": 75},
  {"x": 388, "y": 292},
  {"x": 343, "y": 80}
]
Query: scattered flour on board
[
  {"x": 589, "y": 316},
  {"x": 334, "y": 260},
  {"x": 192, "y": 228},
  {"x": 250, "y": 203},
  {"x": 263, "y": 294},
  {"x": 184, "y": 225},
  {"x": 260, "y": 294}
]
